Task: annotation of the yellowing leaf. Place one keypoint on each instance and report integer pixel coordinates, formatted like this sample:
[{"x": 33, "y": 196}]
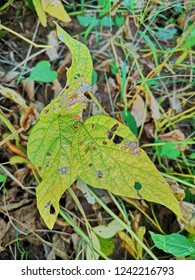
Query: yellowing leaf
[
  {"x": 109, "y": 230},
  {"x": 50, "y": 140},
  {"x": 106, "y": 155},
  {"x": 13, "y": 95},
  {"x": 139, "y": 249},
  {"x": 127, "y": 243},
  {"x": 40, "y": 12},
  {"x": 55, "y": 9}
]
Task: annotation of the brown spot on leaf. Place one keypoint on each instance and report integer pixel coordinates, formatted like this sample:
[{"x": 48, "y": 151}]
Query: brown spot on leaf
[
  {"x": 48, "y": 154},
  {"x": 39, "y": 168},
  {"x": 90, "y": 165},
  {"x": 132, "y": 147},
  {"x": 87, "y": 149},
  {"x": 99, "y": 174},
  {"x": 94, "y": 148},
  {"x": 104, "y": 142}
]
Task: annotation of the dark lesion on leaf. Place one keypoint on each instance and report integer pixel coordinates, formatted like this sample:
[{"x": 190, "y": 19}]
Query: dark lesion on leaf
[
  {"x": 87, "y": 149},
  {"x": 99, "y": 174},
  {"x": 52, "y": 210},
  {"x": 48, "y": 154},
  {"x": 92, "y": 126},
  {"x": 94, "y": 148},
  {"x": 110, "y": 134},
  {"x": 117, "y": 139},
  {"x": 104, "y": 142},
  {"x": 115, "y": 127},
  {"x": 90, "y": 165},
  {"x": 46, "y": 111},
  {"x": 76, "y": 125}
]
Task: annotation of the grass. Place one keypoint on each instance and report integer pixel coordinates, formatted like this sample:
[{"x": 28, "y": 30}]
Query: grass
[{"x": 154, "y": 67}]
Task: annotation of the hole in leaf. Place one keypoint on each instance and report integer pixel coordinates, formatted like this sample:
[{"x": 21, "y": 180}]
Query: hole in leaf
[
  {"x": 110, "y": 134},
  {"x": 52, "y": 210},
  {"x": 115, "y": 127},
  {"x": 104, "y": 142},
  {"x": 90, "y": 165},
  {"x": 117, "y": 139},
  {"x": 137, "y": 186},
  {"x": 99, "y": 174}
]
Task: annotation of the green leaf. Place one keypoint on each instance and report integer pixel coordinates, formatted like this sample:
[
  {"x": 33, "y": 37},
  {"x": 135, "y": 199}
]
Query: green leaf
[
  {"x": 106, "y": 155},
  {"x": 50, "y": 140},
  {"x": 107, "y": 245},
  {"x": 168, "y": 150},
  {"x": 43, "y": 73},
  {"x": 106, "y": 21},
  {"x": 114, "y": 68},
  {"x": 85, "y": 20},
  {"x": 192, "y": 156},
  {"x": 175, "y": 244},
  {"x": 119, "y": 20},
  {"x": 189, "y": 41},
  {"x": 2, "y": 178},
  {"x": 130, "y": 121},
  {"x": 165, "y": 34}
]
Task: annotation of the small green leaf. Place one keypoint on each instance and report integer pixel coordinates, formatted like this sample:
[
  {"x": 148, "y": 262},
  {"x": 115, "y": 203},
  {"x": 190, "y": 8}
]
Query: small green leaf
[
  {"x": 192, "y": 156},
  {"x": 175, "y": 244},
  {"x": 106, "y": 155},
  {"x": 165, "y": 34},
  {"x": 43, "y": 73},
  {"x": 85, "y": 20},
  {"x": 107, "y": 245},
  {"x": 114, "y": 68},
  {"x": 106, "y": 21},
  {"x": 119, "y": 21},
  {"x": 94, "y": 77},
  {"x": 130, "y": 121},
  {"x": 168, "y": 150},
  {"x": 2, "y": 178}
]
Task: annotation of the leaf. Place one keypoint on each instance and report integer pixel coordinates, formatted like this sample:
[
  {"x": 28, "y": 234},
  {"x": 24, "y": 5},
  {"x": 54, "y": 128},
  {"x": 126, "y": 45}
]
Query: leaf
[
  {"x": 106, "y": 21},
  {"x": 55, "y": 9},
  {"x": 168, "y": 150},
  {"x": 109, "y": 230},
  {"x": 85, "y": 20},
  {"x": 42, "y": 72},
  {"x": 14, "y": 96},
  {"x": 130, "y": 120},
  {"x": 50, "y": 140},
  {"x": 40, "y": 12},
  {"x": 175, "y": 244},
  {"x": 127, "y": 243},
  {"x": 165, "y": 34},
  {"x": 107, "y": 245},
  {"x": 3, "y": 178},
  {"x": 106, "y": 155},
  {"x": 189, "y": 41},
  {"x": 82, "y": 186},
  {"x": 119, "y": 20}
]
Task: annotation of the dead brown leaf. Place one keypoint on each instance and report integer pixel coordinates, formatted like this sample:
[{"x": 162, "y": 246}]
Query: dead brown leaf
[
  {"x": 174, "y": 136},
  {"x": 154, "y": 107},
  {"x": 149, "y": 129},
  {"x": 137, "y": 110},
  {"x": 28, "y": 118},
  {"x": 177, "y": 190},
  {"x": 188, "y": 211},
  {"x": 29, "y": 87},
  {"x": 20, "y": 175},
  {"x": 52, "y": 41}
]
